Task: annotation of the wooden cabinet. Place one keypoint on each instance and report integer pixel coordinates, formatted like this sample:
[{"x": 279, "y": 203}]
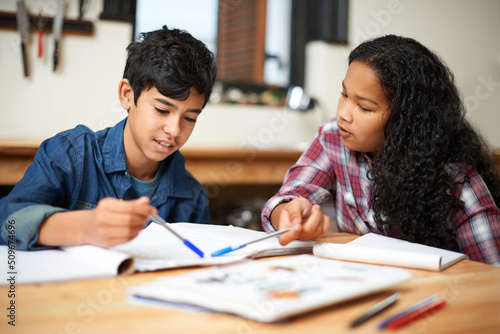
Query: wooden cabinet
[
  {"x": 15, "y": 157},
  {"x": 211, "y": 166}
]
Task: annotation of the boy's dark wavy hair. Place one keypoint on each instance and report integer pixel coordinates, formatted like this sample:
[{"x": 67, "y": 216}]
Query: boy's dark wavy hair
[
  {"x": 171, "y": 60},
  {"x": 414, "y": 193}
]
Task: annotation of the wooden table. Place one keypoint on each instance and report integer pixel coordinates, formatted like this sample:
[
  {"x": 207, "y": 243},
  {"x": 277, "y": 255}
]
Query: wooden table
[
  {"x": 100, "y": 306},
  {"x": 219, "y": 166}
]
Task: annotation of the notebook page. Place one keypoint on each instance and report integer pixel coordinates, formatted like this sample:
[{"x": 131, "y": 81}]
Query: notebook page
[{"x": 156, "y": 248}]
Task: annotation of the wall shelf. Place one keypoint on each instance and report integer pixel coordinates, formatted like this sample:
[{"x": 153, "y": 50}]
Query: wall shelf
[{"x": 76, "y": 27}]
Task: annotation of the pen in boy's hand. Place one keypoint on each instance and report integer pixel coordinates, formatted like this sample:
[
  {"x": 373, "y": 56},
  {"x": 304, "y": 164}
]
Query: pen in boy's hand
[
  {"x": 231, "y": 248},
  {"x": 158, "y": 220}
]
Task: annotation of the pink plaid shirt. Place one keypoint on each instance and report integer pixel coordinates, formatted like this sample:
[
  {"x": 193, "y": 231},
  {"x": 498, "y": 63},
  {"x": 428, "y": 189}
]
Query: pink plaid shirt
[{"x": 328, "y": 169}]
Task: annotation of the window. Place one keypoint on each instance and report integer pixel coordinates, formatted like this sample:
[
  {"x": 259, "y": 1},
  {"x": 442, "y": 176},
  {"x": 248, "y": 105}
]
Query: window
[
  {"x": 198, "y": 17},
  {"x": 249, "y": 37},
  {"x": 252, "y": 38}
]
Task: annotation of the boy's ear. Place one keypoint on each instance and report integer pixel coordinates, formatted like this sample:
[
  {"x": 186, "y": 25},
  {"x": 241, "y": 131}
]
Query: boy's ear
[{"x": 125, "y": 94}]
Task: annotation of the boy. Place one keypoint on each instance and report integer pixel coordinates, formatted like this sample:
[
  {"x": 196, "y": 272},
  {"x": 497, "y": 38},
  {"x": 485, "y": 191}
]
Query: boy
[{"x": 95, "y": 188}]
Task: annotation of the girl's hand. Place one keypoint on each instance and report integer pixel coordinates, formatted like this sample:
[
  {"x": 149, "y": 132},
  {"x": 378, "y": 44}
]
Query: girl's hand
[{"x": 307, "y": 221}]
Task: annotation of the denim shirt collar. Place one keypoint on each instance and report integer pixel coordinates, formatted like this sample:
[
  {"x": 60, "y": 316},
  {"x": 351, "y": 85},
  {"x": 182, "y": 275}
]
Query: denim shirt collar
[
  {"x": 174, "y": 179},
  {"x": 114, "y": 150}
]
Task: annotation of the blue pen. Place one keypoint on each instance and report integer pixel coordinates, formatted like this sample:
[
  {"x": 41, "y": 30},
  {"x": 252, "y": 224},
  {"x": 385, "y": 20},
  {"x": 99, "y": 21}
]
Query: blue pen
[
  {"x": 158, "y": 220},
  {"x": 231, "y": 248}
]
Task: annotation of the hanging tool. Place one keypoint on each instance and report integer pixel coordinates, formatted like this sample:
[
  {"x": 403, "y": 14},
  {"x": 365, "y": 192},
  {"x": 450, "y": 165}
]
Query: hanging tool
[
  {"x": 24, "y": 29},
  {"x": 82, "y": 8},
  {"x": 40, "y": 26},
  {"x": 57, "y": 29}
]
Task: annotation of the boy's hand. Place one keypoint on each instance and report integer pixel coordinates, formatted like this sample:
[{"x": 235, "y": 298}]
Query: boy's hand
[
  {"x": 307, "y": 220},
  {"x": 115, "y": 221},
  {"x": 110, "y": 223}
]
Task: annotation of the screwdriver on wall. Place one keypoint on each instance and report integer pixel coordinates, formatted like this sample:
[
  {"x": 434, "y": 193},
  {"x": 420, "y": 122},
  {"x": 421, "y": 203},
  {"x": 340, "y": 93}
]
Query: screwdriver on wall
[
  {"x": 57, "y": 29},
  {"x": 24, "y": 29},
  {"x": 40, "y": 26}
]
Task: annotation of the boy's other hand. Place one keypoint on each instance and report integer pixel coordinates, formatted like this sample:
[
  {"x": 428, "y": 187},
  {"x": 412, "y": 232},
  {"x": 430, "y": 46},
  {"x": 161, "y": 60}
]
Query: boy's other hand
[
  {"x": 115, "y": 221},
  {"x": 306, "y": 220}
]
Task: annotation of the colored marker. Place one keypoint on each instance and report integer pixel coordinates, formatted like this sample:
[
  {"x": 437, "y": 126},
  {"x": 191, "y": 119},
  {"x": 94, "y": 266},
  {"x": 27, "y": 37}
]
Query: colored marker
[
  {"x": 411, "y": 311},
  {"x": 375, "y": 309},
  {"x": 417, "y": 314},
  {"x": 231, "y": 248},
  {"x": 411, "y": 308}
]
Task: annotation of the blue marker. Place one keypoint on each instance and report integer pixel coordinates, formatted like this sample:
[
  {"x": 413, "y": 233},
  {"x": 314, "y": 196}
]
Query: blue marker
[
  {"x": 230, "y": 248},
  {"x": 158, "y": 220}
]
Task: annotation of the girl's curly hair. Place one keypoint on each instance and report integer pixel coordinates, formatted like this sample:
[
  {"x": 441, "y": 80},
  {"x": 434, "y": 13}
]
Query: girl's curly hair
[{"x": 414, "y": 190}]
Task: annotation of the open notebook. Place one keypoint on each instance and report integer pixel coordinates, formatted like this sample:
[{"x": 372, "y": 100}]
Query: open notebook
[
  {"x": 153, "y": 249},
  {"x": 378, "y": 249},
  {"x": 268, "y": 291}
]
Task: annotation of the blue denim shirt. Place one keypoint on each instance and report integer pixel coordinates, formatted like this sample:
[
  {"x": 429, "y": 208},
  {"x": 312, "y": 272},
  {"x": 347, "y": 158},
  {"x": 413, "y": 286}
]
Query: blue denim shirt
[{"x": 76, "y": 168}]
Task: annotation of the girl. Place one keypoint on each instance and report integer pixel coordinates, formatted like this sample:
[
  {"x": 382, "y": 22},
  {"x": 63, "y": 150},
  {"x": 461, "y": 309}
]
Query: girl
[{"x": 400, "y": 159}]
